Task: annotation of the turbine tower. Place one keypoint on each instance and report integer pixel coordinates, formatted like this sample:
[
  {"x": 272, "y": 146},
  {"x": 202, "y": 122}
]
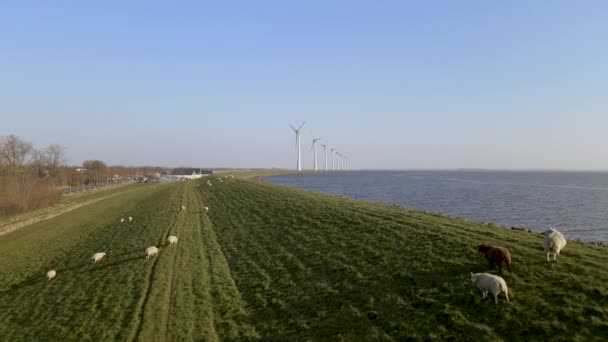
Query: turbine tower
[
  {"x": 314, "y": 145},
  {"x": 333, "y": 165},
  {"x": 336, "y": 161},
  {"x": 325, "y": 148},
  {"x": 299, "y": 166}
]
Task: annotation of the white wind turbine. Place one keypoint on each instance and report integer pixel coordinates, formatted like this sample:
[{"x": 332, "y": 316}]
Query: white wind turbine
[
  {"x": 345, "y": 162},
  {"x": 299, "y": 166},
  {"x": 333, "y": 166},
  {"x": 337, "y": 160},
  {"x": 325, "y": 148},
  {"x": 314, "y": 145}
]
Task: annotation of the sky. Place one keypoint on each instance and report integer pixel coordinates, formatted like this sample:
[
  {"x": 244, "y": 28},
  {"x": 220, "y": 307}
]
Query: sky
[{"x": 395, "y": 84}]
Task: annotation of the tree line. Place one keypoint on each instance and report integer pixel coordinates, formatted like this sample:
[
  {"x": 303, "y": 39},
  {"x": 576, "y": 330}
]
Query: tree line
[{"x": 32, "y": 178}]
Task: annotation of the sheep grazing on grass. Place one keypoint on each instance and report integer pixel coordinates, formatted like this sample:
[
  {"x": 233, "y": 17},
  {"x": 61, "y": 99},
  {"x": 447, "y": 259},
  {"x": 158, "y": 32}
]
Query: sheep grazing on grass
[
  {"x": 122, "y": 220},
  {"x": 130, "y": 219},
  {"x": 151, "y": 251},
  {"x": 172, "y": 239},
  {"x": 496, "y": 255},
  {"x": 183, "y": 207},
  {"x": 51, "y": 274},
  {"x": 488, "y": 282},
  {"x": 98, "y": 256},
  {"x": 554, "y": 242},
  {"x": 206, "y": 208}
]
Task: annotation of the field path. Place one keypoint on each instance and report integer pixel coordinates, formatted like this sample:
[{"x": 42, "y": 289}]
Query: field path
[{"x": 191, "y": 295}]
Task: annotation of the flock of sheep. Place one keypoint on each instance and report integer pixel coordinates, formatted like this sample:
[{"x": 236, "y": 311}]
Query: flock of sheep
[
  {"x": 554, "y": 242},
  {"x": 149, "y": 252}
]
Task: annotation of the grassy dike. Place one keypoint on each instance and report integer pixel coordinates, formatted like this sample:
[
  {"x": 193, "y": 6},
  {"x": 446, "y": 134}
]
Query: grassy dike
[
  {"x": 273, "y": 263},
  {"x": 313, "y": 266}
]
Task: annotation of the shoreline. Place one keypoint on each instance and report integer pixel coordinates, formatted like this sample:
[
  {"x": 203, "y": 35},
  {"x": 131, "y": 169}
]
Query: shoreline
[{"x": 528, "y": 230}]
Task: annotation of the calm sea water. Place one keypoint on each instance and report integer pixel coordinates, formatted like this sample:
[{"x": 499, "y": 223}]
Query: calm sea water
[{"x": 576, "y": 203}]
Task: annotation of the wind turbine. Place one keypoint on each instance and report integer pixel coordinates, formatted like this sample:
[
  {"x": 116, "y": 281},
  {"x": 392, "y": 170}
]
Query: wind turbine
[
  {"x": 325, "y": 148},
  {"x": 337, "y": 159},
  {"x": 314, "y": 145},
  {"x": 298, "y": 143},
  {"x": 345, "y": 162},
  {"x": 333, "y": 166}
]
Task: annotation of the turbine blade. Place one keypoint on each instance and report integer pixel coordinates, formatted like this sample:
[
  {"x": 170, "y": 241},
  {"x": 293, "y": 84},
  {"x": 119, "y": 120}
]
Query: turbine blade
[
  {"x": 302, "y": 125},
  {"x": 292, "y": 128}
]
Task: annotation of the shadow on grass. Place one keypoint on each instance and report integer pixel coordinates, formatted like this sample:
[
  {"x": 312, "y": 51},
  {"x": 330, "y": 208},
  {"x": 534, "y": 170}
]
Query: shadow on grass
[
  {"x": 83, "y": 267},
  {"x": 102, "y": 265}
]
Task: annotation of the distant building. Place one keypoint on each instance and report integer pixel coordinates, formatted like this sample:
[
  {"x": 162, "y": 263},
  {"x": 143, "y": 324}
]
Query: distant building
[{"x": 190, "y": 173}]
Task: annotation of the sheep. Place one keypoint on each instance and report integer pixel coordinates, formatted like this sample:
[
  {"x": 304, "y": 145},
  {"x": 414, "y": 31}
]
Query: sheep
[
  {"x": 183, "y": 207},
  {"x": 172, "y": 239},
  {"x": 51, "y": 274},
  {"x": 122, "y": 220},
  {"x": 492, "y": 283},
  {"x": 496, "y": 255},
  {"x": 554, "y": 242},
  {"x": 151, "y": 251},
  {"x": 98, "y": 256},
  {"x": 130, "y": 219},
  {"x": 206, "y": 208}
]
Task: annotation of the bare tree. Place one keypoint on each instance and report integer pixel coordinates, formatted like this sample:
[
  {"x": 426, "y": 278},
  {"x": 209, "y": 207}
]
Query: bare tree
[
  {"x": 97, "y": 167},
  {"x": 38, "y": 165},
  {"x": 14, "y": 155},
  {"x": 55, "y": 158}
]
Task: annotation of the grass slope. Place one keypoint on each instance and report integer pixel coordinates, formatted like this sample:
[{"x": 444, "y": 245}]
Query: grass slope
[
  {"x": 273, "y": 263},
  {"x": 185, "y": 293},
  {"x": 311, "y": 266}
]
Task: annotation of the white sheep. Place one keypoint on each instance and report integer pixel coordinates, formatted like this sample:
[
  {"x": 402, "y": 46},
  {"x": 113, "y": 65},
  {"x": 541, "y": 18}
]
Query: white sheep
[
  {"x": 489, "y": 282},
  {"x": 172, "y": 239},
  {"x": 554, "y": 242},
  {"x": 130, "y": 219},
  {"x": 51, "y": 274},
  {"x": 151, "y": 251},
  {"x": 98, "y": 256},
  {"x": 183, "y": 207},
  {"x": 206, "y": 208},
  {"x": 122, "y": 220}
]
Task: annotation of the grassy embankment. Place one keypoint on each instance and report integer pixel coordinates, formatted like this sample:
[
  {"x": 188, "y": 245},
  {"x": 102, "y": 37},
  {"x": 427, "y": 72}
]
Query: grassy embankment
[
  {"x": 276, "y": 263},
  {"x": 68, "y": 202}
]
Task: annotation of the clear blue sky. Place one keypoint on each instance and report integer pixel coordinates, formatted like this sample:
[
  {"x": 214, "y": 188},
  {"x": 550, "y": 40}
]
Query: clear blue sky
[{"x": 397, "y": 84}]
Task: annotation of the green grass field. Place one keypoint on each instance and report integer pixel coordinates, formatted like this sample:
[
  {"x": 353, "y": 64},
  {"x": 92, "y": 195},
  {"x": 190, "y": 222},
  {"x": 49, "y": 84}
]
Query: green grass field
[{"x": 272, "y": 263}]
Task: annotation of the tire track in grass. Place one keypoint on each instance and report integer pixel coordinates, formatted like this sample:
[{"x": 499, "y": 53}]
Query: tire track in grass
[
  {"x": 145, "y": 299},
  {"x": 191, "y": 315},
  {"x": 232, "y": 320}
]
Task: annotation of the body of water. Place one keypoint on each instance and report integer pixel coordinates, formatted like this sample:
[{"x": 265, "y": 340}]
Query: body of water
[{"x": 576, "y": 203}]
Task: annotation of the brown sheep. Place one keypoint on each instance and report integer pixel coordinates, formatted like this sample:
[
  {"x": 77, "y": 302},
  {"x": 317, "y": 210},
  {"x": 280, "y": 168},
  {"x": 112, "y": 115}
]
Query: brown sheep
[{"x": 496, "y": 255}]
